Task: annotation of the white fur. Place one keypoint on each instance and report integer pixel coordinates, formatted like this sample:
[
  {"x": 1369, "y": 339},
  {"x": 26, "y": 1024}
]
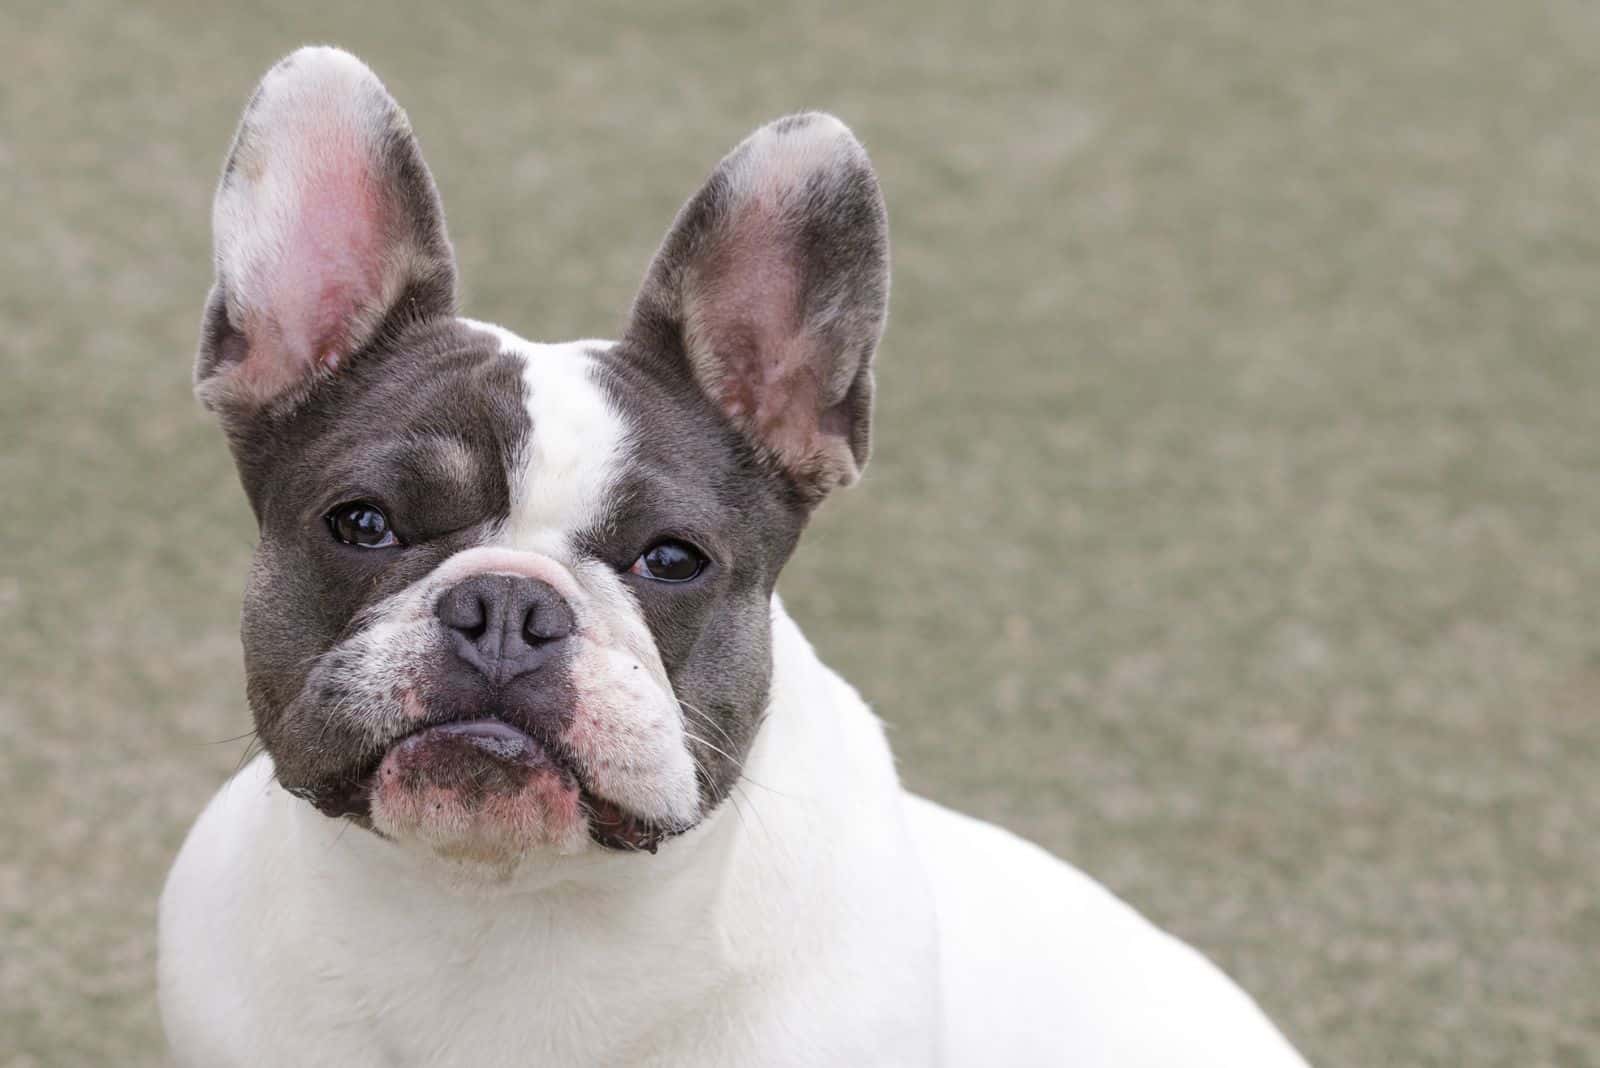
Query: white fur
[
  {"x": 821, "y": 917},
  {"x": 577, "y": 447}
]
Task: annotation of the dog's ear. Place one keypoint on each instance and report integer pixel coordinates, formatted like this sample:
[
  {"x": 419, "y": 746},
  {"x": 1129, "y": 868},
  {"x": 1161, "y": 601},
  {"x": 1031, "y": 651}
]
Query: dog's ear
[
  {"x": 327, "y": 229},
  {"x": 773, "y": 284}
]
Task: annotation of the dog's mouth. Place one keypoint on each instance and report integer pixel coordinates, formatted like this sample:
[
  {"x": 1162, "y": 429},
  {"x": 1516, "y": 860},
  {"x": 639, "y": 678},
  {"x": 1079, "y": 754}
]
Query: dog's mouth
[{"x": 482, "y": 769}]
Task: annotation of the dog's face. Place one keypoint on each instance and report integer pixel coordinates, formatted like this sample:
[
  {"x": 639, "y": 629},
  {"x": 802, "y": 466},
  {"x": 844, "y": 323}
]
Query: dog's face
[{"x": 512, "y": 596}]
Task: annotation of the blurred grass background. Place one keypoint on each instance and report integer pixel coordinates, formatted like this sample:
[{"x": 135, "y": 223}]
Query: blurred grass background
[{"x": 1234, "y": 524}]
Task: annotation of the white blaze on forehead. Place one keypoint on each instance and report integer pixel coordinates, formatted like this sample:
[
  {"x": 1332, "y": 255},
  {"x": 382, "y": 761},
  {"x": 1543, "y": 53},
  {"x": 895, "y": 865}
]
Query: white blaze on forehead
[{"x": 575, "y": 448}]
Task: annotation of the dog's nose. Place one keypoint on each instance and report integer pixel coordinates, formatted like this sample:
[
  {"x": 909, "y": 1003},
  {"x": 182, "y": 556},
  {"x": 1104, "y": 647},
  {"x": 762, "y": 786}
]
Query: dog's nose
[{"x": 505, "y": 625}]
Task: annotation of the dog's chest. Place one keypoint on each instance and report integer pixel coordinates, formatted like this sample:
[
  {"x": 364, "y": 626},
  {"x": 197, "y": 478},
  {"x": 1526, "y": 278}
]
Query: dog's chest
[
  {"x": 522, "y": 987},
  {"x": 690, "y": 968},
  {"x": 573, "y": 986}
]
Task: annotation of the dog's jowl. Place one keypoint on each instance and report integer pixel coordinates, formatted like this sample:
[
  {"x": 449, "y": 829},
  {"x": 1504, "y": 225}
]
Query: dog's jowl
[{"x": 549, "y": 776}]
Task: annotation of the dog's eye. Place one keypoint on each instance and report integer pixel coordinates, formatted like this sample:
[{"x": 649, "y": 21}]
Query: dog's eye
[
  {"x": 669, "y": 561},
  {"x": 363, "y": 524}
]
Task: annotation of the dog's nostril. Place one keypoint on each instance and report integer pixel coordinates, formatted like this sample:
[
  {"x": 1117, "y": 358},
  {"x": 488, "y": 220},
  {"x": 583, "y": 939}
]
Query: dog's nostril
[
  {"x": 547, "y": 620},
  {"x": 477, "y": 623},
  {"x": 466, "y": 612}
]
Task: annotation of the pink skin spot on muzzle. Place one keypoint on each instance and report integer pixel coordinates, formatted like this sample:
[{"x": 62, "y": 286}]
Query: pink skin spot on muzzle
[{"x": 477, "y": 789}]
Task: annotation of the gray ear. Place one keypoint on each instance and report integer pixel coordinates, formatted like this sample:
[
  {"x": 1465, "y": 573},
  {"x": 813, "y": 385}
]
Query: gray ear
[
  {"x": 327, "y": 226},
  {"x": 774, "y": 283}
]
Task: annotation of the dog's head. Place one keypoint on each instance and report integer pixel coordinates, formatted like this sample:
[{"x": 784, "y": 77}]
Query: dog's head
[{"x": 512, "y": 596}]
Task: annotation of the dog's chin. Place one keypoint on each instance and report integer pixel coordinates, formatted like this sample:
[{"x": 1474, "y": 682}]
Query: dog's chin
[
  {"x": 479, "y": 790},
  {"x": 483, "y": 791}
]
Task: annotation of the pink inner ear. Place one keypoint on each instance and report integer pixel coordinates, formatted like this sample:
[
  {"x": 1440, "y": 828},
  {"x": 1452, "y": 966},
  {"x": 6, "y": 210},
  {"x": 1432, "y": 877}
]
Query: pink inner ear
[
  {"x": 327, "y": 267},
  {"x": 746, "y": 316}
]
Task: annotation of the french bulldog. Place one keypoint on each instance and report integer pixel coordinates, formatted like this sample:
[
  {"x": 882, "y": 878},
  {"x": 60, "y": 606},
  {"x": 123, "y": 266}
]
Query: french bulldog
[{"x": 549, "y": 776}]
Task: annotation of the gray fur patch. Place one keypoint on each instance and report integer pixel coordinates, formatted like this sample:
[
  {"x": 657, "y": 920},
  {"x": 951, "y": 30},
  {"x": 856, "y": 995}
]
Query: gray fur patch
[
  {"x": 424, "y": 427},
  {"x": 692, "y": 477}
]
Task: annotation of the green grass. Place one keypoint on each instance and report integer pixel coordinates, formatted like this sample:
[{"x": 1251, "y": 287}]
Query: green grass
[{"x": 1234, "y": 525}]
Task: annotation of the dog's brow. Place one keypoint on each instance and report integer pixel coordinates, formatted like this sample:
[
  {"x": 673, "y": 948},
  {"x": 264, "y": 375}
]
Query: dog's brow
[{"x": 440, "y": 457}]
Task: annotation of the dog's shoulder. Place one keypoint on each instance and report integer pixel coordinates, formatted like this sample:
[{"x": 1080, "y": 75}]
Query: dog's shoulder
[
  {"x": 1041, "y": 964},
  {"x": 223, "y": 921}
]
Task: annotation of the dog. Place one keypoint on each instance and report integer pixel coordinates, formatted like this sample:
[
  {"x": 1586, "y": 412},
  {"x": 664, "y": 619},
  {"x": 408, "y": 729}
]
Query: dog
[{"x": 512, "y": 643}]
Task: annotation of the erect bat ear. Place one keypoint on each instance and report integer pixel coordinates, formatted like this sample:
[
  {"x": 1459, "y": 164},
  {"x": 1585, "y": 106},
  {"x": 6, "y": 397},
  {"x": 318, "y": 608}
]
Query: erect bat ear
[
  {"x": 327, "y": 228},
  {"x": 774, "y": 284}
]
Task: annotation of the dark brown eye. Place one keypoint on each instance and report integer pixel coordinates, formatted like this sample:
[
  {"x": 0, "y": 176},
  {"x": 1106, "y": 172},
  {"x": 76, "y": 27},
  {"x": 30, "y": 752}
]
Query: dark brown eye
[
  {"x": 361, "y": 524},
  {"x": 669, "y": 561}
]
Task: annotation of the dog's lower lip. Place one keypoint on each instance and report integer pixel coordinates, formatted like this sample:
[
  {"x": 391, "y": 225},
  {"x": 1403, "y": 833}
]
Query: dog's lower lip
[{"x": 494, "y": 736}]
